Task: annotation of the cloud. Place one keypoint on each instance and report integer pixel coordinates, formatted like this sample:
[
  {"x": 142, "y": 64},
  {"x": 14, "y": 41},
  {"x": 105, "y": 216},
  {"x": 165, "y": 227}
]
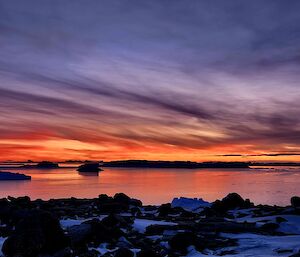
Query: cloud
[{"x": 196, "y": 75}]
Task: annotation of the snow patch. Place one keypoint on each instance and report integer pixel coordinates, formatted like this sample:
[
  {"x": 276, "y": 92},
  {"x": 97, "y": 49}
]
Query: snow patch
[
  {"x": 141, "y": 224},
  {"x": 66, "y": 223}
]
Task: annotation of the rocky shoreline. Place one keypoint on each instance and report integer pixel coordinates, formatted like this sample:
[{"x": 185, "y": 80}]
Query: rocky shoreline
[{"x": 122, "y": 226}]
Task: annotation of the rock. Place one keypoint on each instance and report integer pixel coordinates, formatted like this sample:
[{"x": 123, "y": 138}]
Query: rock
[
  {"x": 123, "y": 252},
  {"x": 38, "y": 233},
  {"x": 103, "y": 234},
  {"x": 166, "y": 209},
  {"x": 89, "y": 253},
  {"x": 124, "y": 199},
  {"x": 114, "y": 220},
  {"x": 295, "y": 201},
  {"x": 67, "y": 252},
  {"x": 147, "y": 253},
  {"x": 280, "y": 220},
  {"x": 269, "y": 227},
  {"x": 230, "y": 202},
  {"x": 89, "y": 167},
  {"x": 181, "y": 241},
  {"x": 121, "y": 197},
  {"x": 80, "y": 234}
]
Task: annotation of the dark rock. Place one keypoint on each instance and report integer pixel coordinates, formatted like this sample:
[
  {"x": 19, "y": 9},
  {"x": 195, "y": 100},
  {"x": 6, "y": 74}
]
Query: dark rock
[
  {"x": 280, "y": 220},
  {"x": 124, "y": 199},
  {"x": 101, "y": 233},
  {"x": 295, "y": 201},
  {"x": 230, "y": 202},
  {"x": 121, "y": 197},
  {"x": 167, "y": 209},
  {"x": 114, "y": 220},
  {"x": 39, "y": 233},
  {"x": 181, "y": 241},
  {"x": 269, "y": 227},
  {"x": 89, "y": 167},
  {"x": 123, "y": 252},
  {"x": 103, "y": 198},
  {"x": 147, "y": 253},
  {"x": 80, "y": 234},
  {"x": 67, "y": 252},
  {"x": 89, "y": 253}
]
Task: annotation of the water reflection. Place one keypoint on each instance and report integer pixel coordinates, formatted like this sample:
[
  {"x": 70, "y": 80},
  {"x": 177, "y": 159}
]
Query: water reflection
[{"x": 154, "y": 186}]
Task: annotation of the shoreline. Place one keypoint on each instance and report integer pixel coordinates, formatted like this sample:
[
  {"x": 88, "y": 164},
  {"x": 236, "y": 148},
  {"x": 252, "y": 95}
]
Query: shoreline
[{"x": 123, "y": 226}]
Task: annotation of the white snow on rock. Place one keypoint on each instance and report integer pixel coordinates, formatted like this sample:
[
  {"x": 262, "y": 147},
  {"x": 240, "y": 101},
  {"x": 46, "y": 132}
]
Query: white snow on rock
[
  {"x": 66, "y": 223},
  {"x": 190, "y": 204},
  {"x": 141, "y": 224},
  {"x": 71, "y": 222}
]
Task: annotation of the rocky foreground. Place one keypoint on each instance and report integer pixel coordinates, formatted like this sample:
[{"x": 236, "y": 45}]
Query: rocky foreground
[{"x": 121, "y": 226}]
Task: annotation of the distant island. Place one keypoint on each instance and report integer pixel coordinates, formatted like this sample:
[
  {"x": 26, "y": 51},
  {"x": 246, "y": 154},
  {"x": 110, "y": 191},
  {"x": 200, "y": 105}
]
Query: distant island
[
  {"x": 13, "y": 176},
  {"x": 41, "y": 165},
  {"x": 174, "y": 164}
]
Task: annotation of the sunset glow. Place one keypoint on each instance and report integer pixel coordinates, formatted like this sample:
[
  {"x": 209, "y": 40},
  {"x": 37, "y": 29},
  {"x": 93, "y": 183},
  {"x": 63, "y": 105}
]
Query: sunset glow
[{"x": 103, "y": 81}]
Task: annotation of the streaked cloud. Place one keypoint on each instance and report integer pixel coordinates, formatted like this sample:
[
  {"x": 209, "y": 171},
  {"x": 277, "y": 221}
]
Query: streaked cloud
[{"x": 161, "y": 79}]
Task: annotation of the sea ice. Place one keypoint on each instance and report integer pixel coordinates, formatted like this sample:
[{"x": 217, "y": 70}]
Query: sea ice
[{"x": 190, "y": 204}]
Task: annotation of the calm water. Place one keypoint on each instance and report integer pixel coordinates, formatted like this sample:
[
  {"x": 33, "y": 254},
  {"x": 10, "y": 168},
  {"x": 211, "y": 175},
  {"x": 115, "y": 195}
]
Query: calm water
[{"x": 154, "y": 186}]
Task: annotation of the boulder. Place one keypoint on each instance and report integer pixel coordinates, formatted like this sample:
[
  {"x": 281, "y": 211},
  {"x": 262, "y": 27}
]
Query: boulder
[
  {"x": 80, "y": 234},
  {"x": 230, "y": 202},
  {"x": 38, "y": 233},
  {"x": 295, "y": 201},
  {"x": 147, "y": 253},
  {"x": 126, "y": 200},
  {"x": 123, "y": 252},
  {"x": 89, "y": 167},
  {"x": 181, "y": 241}
]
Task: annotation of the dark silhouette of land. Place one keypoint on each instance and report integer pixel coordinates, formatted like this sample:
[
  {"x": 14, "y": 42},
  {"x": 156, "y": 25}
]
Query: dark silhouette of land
[
  {"x": 13, "y": 176},
  {"x": 174, "y": 164}
]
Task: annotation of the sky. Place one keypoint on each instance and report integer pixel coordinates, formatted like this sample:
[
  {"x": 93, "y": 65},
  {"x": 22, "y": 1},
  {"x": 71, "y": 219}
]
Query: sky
[{"x": 196, "y": 80}]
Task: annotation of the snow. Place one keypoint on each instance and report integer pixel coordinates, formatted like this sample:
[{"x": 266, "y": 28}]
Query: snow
[
  {"x": 141, "y": 224},
  {"x": 66, "y": 223},
  {"x": 263, "y": 246},
  {"x": 2, "y": 239},
  {"x": 190, "y": 204},
  {"x": 255, "y": 245},
  {"x": 71, "y": 222},
  {"x": 291, "y": 226}
]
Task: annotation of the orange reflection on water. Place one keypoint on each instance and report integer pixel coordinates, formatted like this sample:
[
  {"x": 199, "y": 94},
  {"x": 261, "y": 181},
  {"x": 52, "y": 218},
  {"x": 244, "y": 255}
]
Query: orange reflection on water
[{"x": 155, "y": 186}]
